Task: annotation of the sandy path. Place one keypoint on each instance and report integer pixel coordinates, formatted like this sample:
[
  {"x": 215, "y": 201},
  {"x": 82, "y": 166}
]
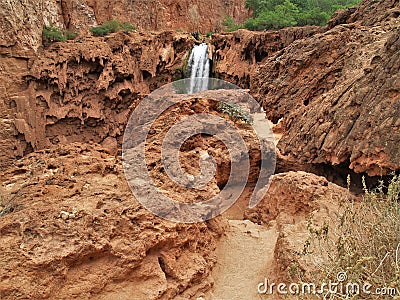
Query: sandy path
[
  {"x": 244, "y": 259},
  {"x": 245, "y": 255}
]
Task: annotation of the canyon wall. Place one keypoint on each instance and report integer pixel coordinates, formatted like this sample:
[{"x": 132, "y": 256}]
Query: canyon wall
[
  {"x": 336, "y": 89},
  {"x": 21, "y": 21},
  {"x": 203, "y": 16},
  {"x": 64, "y": 78},
  {"x": 85, "y": 90}
]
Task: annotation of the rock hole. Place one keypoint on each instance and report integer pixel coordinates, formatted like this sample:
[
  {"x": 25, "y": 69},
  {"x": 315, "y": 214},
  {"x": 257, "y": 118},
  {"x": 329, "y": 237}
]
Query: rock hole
[
  {"x": 261, "y": 55},
  {"x": 28, "y": 149},
  {"x": 51, "y": 167},
  {"x": 162, "y": 264},
  {"x": 12, "y": 104}
]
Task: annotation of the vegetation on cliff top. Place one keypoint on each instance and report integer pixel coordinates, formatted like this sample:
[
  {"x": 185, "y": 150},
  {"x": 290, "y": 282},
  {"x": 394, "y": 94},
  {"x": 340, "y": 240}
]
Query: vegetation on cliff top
[
  {"x": 110, "y": 27},
  {"x": 277, "y": 14},
  {"x": 55, "y": 34}
]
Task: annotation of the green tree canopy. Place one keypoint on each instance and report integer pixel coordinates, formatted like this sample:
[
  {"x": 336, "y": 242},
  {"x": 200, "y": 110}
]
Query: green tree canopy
[{"x": 276, "y": 14}]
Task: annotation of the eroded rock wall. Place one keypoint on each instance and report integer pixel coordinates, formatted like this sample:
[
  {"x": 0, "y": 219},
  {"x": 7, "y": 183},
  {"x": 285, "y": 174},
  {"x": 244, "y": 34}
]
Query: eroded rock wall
[
  {"x": 187, "y": 15},
  {"x": 339, "y": 96},
  {"x": 71, "y": 228},
  {"x": 336, "y": 89},
  {"x": 237, "y": 55},
  {"x": 21, "y": 21},
  {"x": 85, "y": 90}
]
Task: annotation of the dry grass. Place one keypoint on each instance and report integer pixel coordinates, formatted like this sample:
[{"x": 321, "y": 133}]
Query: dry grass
[{"x": 364, "y": 242}]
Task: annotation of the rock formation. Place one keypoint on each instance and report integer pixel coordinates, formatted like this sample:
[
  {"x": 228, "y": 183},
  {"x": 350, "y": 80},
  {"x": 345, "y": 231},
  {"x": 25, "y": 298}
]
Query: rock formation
[
  {"x": 71, "y": 228},
  {"x": 69, "y": 225},
  {"x": 292, "y": 198},
  {"x": 22, "y": 21},
  {"x": 85, "y": 90},
  {"x": 336, "y": 88}
]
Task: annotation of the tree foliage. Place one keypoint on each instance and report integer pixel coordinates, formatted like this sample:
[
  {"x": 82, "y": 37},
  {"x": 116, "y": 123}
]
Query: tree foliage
[{"x": 276, "y": 14}]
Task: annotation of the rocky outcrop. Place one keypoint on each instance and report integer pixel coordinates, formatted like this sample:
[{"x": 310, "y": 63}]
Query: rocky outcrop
[
  {"x": 21, "y": 24},
  {"x": 237, "y": 55},
  {"x": 85, "y": 91},
  {"x": 338, "y": 95},
  {"x": 21, "y": 21},
  {"x": 367, "y": 13},
  {"x": 336, "y": 89},
  {"x": 202, "y": 16},
  {"x": 70, "y": 227},
  {"x": 293, "y": 196},
  {"x": 294, "y": 199}
]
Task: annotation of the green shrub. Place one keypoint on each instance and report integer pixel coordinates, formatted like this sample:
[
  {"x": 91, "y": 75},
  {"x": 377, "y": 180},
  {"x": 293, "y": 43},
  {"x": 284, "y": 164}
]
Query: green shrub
[
  {"x": 55, "y": 34},
  {"x": 70, "y": 35},
  {"x": 235, "y": 113},
  {"x": 112, "y": 26}
]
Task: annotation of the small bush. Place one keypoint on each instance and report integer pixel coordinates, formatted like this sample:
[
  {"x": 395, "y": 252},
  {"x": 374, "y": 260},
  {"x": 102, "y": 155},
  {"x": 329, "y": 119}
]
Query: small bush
[
  {"x": 70, "y": 35},
  {"x": 235, "y": 113},
  {"x": 55, "y": 34},
  {"x": 209, "y": 34},
  {"x": 112, "y": 26}
]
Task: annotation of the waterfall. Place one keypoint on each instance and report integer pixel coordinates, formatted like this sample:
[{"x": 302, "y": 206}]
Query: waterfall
[{"x": 199, "y": 68}]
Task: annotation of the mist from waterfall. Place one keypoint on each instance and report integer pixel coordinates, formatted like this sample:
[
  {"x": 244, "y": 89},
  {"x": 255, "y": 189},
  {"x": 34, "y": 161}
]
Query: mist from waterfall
[{"x": 199, "y": 68}]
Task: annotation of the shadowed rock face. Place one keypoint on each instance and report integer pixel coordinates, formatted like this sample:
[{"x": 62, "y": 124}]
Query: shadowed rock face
[{"x": 339, "y": 96}]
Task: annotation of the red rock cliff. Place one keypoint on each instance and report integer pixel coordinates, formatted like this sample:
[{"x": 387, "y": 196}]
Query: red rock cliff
[{"x": 335, "y": 88}]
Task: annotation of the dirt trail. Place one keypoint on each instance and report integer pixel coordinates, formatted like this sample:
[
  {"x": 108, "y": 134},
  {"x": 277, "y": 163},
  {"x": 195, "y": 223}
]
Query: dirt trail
[
  {"x": 244, "y": 259},
  {"x": 245, "y": 255}
]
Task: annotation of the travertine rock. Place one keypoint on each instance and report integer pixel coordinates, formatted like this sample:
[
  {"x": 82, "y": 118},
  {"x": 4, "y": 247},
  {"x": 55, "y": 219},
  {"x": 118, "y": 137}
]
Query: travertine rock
[
  {"x": 72, "y": 228},
  {"x": 84, "y": 90},
  {"x": 335, "y": 88},
  {"x": 290, "y": 202}
]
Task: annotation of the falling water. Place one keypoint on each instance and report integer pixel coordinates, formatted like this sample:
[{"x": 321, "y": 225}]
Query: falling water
[{"x": 199, "y": 68}]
